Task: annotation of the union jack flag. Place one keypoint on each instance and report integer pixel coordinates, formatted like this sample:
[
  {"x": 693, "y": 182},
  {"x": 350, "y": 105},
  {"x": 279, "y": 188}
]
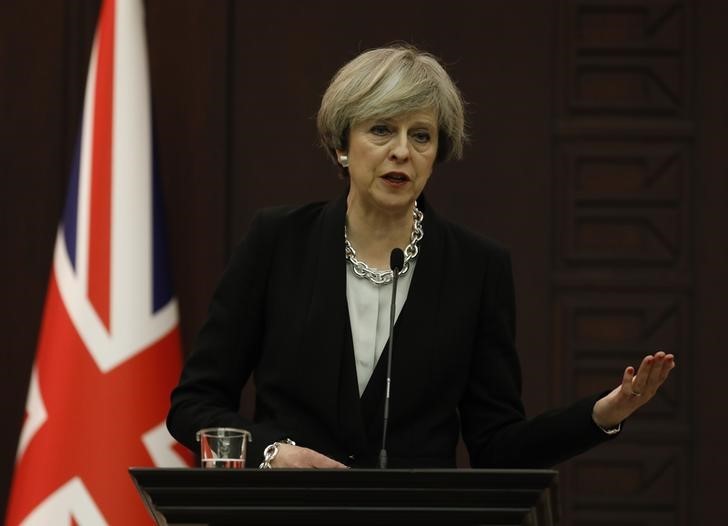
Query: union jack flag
[{"x": 108, "y": 353}]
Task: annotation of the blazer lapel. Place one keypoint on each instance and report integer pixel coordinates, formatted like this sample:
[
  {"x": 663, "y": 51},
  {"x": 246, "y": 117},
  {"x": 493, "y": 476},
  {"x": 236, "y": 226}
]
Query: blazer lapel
[
  {"x": 413, "y": 329},
  {"x": 327, "y": 333}
]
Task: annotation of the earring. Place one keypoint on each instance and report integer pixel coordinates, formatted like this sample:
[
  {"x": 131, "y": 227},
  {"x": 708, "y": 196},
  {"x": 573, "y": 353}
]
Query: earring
[{"x": 344, "y": 160}]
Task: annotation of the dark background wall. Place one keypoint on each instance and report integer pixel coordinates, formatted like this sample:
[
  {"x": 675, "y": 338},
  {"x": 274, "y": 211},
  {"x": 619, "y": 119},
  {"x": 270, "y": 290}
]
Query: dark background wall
[{"x": 598, "y": 156}]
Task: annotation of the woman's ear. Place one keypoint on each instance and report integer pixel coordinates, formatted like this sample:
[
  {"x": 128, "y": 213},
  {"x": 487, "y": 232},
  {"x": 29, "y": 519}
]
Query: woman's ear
[{"x": 342, "y": 158}]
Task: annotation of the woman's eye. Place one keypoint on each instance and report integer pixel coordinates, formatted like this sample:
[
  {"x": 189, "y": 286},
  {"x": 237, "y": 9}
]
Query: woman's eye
[
  {"x": 421, "y": 137},
  {"x": 380, "y": 129}
]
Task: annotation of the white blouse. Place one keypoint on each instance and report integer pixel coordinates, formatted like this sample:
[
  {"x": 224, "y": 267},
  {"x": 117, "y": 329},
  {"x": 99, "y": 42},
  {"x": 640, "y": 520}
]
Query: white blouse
[{"x": 369, "y": 318}]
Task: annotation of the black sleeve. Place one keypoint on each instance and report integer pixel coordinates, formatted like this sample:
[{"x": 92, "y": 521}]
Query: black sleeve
[
  {"x": 494, "y": 425},
  {"x": 227, "y": 349}
]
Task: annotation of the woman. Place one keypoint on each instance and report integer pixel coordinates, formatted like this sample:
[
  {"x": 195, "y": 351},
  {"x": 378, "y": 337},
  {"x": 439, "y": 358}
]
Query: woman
[{"x": 304, "y": 305}]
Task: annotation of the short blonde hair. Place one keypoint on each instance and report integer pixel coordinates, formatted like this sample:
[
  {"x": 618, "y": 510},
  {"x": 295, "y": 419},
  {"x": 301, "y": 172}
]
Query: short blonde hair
[{"x": 385, "y": 83}]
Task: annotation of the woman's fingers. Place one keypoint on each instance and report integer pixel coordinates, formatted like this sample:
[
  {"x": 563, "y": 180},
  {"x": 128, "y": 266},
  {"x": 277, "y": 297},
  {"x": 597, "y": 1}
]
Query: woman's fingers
[
  {"x": 640, "y": 379},
  {"x": 653, "y": 371},
  {"x": 667, "y": 366},
  {"x": 323, "y": 462},
  {"x": 653, "y": 380},
  {"x": 290, "y": 456},
  {"x": 314, "y": 459},
  {"x": 628, "y": 379}
]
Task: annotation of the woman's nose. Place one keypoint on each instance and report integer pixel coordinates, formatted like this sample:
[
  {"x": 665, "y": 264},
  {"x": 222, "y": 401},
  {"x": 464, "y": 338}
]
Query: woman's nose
[{"x": 400, "y": 147}]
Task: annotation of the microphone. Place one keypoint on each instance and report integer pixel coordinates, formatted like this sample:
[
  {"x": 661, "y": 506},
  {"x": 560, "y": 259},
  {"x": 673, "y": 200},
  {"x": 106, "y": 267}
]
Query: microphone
[{"x": 396, "y": 262}]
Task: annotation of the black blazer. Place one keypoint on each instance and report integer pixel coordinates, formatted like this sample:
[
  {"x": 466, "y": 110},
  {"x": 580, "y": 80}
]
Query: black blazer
[{"x": 280, "y": 311}]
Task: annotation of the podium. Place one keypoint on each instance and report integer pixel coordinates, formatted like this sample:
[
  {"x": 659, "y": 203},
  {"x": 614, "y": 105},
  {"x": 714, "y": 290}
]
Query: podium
[{"x": 444, "y": 497}]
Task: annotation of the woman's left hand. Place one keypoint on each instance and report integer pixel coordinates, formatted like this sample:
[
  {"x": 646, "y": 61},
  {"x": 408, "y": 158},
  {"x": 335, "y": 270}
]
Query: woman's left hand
[{"x": 636, "y": 390}]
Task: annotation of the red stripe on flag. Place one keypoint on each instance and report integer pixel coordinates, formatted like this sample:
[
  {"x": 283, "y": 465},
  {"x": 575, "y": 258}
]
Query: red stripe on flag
[{"x": 99, "y": 265}]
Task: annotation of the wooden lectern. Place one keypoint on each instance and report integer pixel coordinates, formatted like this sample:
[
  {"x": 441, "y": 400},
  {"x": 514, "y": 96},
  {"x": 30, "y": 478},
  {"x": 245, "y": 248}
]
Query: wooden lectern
[{"x": 443, "y": 497}]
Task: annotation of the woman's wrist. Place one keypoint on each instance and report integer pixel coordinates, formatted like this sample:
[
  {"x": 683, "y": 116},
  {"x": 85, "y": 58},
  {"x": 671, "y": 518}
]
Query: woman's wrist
[
  {"x": 608, "y": 421},
  {"x": 271, "y": 452}
]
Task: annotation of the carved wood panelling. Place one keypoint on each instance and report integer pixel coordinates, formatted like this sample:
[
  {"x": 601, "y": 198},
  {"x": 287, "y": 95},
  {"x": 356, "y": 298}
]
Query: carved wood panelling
[
  {"x": 626, "y": 58},
  {"x": 630, "y": 484},
  {"x": 623, "y": 202},
  {"x": 623, "y": 271}
]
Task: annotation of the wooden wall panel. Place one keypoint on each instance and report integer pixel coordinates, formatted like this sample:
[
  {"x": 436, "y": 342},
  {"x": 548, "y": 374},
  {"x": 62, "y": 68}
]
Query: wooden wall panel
[
  {"x": 624, "y": 204},
  {"x": 631, "y": 482},
  {"x": 627, "y": 59},
  {"x": 711, "y": 271},
  {"x": 189, "y": 48},
  {"x": 623, "y": 266}
]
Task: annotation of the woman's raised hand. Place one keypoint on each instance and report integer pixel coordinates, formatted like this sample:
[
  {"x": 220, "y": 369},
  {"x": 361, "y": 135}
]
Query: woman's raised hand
[{"x": 635, "y": 391}]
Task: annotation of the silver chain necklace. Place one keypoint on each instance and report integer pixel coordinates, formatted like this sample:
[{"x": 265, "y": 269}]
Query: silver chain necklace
[{"x": 380, "y": 277}]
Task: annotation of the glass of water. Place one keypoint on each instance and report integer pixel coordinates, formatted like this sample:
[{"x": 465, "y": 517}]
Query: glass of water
[{"x": 223, "y": 447}]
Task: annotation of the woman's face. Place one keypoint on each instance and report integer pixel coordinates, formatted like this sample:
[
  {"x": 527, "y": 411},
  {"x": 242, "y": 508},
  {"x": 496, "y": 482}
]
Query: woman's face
[{"x": 390, "y": 160}]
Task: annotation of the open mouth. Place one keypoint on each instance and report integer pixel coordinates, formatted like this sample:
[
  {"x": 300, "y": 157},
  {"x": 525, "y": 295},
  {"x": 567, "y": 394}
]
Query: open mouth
[{"x": 396, "y": 177}]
